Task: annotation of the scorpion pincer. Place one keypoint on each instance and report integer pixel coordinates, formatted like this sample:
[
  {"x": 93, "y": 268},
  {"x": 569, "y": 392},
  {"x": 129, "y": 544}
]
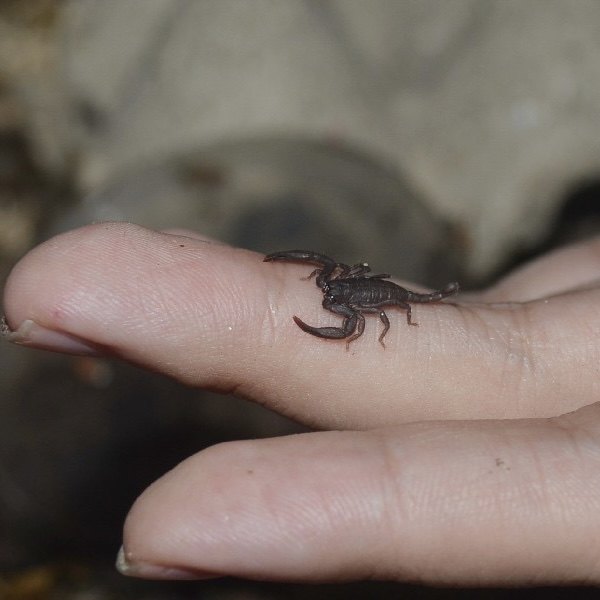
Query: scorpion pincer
[{"x": 352, "y": 291}]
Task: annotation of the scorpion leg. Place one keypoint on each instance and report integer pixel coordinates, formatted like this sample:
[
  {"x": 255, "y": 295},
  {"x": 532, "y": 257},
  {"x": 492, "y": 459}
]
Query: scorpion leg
[
  {"x": 359, "y": 331},
  {"x": 406, "y": 306},
  {"x": 355, "y": 271},
  {"x": 309, "y": 277},
  {"x": 382, "y": 316},
  {"x": 338, "y": 271},
  {"x": 386, "y": 326}
]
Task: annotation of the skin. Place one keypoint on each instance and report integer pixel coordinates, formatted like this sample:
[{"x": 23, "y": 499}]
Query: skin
[{"x": 467, "y": 452}]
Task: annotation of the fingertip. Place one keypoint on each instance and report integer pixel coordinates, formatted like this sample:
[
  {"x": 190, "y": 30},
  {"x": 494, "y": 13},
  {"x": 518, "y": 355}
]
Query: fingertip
[
  {"x": 443, "y": 503},
  {"x": 267, "y": 509},
  {"x": 124, "y": 286},
  {"x": 571, "y": 267},
  {"x": 36, "y": 282}
]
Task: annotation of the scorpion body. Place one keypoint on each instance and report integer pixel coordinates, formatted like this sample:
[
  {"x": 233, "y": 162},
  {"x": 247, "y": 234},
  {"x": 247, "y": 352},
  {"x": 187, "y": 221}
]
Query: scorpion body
[{"x": 352, "y": 290}]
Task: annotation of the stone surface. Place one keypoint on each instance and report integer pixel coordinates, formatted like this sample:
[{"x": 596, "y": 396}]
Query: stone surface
[{"x": 488, "y": 109}]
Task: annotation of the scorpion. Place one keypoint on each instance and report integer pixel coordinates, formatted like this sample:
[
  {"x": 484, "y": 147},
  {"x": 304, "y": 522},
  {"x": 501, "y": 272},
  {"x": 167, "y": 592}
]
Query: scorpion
[{"x": 352, "y": 290}]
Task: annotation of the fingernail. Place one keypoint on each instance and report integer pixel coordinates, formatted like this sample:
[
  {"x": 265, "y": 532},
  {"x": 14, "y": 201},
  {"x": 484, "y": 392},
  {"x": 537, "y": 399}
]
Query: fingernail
[
  {"x": 127, "y": 565},
  {"x": 29, "y": 333}
]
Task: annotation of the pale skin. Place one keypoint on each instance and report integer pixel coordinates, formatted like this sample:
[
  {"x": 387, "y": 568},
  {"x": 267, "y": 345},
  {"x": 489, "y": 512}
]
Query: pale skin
[{"x": 467, "y": 452}]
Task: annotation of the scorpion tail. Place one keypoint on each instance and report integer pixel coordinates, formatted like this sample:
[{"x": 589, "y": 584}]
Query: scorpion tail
[{"x": 449, "y": 290}]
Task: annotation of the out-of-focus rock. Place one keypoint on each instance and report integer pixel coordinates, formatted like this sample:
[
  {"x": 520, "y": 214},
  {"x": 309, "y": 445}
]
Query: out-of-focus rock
[{"x": 489, "y": 109}]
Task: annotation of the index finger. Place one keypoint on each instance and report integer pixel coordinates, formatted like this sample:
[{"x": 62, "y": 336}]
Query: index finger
[{"x": 219, "y": 317}]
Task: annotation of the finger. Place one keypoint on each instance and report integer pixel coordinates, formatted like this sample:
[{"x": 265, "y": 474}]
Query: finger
[
  {"x": 568, "y": 268},
  {"x": 475, "y": 503},
  {"x": 218, "y": 317},
  {"x": 181, "y": 232}
]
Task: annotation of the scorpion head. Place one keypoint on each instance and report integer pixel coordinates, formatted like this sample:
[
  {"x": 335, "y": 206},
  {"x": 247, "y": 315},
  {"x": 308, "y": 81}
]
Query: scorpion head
[{"x": 330, "y": 290}]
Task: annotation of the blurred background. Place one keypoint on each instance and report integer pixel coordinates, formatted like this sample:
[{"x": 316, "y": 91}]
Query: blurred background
[{"x": 439, "y": 139}]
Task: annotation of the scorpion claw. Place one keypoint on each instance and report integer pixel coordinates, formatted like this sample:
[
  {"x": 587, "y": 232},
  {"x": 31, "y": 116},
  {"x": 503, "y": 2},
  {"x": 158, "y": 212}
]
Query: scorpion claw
[
  {"x": 304, "y": 326},
  {"x": 326, "y": 266},
  {"x": 301, "y": 256},
  {"x": 332, "y": 333}
]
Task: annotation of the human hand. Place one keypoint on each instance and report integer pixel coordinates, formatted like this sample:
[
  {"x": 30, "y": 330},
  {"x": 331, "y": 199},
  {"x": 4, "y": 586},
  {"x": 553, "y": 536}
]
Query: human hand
[{"x": 447, "y": 500}]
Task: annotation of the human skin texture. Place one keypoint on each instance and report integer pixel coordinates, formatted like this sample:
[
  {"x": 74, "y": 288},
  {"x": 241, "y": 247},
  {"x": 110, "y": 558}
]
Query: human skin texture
[{"x": 465, "y": 452}]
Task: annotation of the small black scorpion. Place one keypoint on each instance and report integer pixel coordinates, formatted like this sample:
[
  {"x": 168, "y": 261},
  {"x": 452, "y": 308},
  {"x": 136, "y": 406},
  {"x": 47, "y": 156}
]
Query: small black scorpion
[{"x": 351, "y": 291}]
